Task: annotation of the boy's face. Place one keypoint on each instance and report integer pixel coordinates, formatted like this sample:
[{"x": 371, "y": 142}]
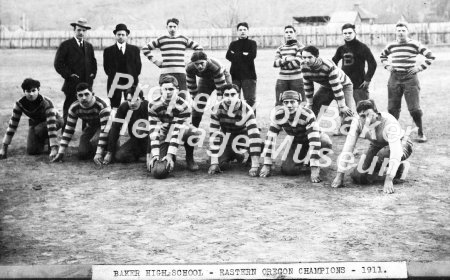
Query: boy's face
[
  {"x": 172, "y": 28},
  {"x": 242, "y": 32},
  {"x": 289, "y": 34},
  {"x": 349, "y": 34},
  {"x": 200, "y": 65},
  {"x": 308, "y": 58},
  {"x": 168, "y": 91},
  {"x": 85, "y": 97},
  {"x": 291, "y": 105},
  {"x": 31, "y": 94},
  {"x": 133, "y": 104},
  {"x": 230, "y": 96},
  {"x": 402, "y": 32}
]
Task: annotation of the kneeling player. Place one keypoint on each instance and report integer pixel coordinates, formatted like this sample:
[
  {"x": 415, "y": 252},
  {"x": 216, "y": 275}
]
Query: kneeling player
[
  {"x": 95, "y": 113},
  {"x": 386, "y": 142},
  {"x": 136, "y": 146},
  {"x": 168, "y": 117},
  {"x": 300, "y": 123},
  {"x": 231, "y": 119},
  {"x": 43, "y": 123}
]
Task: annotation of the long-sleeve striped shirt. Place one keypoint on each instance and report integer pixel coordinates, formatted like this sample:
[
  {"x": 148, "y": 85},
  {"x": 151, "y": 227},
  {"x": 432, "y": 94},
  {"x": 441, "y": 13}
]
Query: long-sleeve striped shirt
[
  {"x": 240, "y": 119},
  {"x": 214, "y": 71},
  {"x": 387, "y": 132},
  {"x": 172, "y": 52},
  {"x": 167, "y": 121},
  {"x": 402, "y": 55},
  {"x": 95, "y": 116},
  {"x": 289, "y": 70},
  {"x": 302, "y": 125},
  {"x": 326, "y": 73},
  {"x": 40, "y": 110}
]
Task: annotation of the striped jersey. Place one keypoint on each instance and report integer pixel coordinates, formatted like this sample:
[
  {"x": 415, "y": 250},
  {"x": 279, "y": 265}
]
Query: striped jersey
[
  {"x": 172, "y": 52},
  {"x": 214, "y": 71},
  {"x": 402, "y": 55},
  {"x": 40, "y": 110},
  {"x": 326, "y": 73},
  {"x": 235, "y": 119},
  {"x": 289, "y": 70},
  {"x": 302, "y": 125},
  {"x": 387, "y": 132},
  {"x": 166, "y": 121},
  {"x": 95, "y": 116}
]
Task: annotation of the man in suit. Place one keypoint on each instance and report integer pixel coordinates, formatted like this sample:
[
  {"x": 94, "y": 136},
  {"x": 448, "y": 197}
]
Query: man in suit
[
  {"x": 121, "y": 58},
  {"x": 75, "y": 62}
]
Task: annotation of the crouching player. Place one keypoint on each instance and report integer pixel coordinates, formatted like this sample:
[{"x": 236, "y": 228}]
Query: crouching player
[
  {"x": 233, "y": 119},
  {"x": 168, "y": 115},
  {"x": 95, "y": 113},
  {"x": 44, "y": 120},
  {"x": 387, "y": 141},
  {"x": 136, "y": 146},
  {"x": 300, "y": 123}
]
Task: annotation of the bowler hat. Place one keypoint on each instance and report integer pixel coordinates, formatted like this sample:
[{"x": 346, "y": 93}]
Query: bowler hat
[
  {"x": 120, "y": 27},
  {"x": 82, "y": 22}
]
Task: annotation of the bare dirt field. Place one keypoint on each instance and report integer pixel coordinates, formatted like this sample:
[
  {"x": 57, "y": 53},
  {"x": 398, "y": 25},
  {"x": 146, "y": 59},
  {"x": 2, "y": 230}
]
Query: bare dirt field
[{"x": 76, "y": 213}]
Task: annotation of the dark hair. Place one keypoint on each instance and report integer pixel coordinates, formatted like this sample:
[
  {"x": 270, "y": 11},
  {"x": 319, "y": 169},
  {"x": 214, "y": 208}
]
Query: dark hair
[
  {"x": 168, "y": 79},
  {"x": 311, "y": 49},
  {"x": 82, "y": 86},
  {"x": 133, "y": 89},
  {"x": 290, "y": 26},
  {"x": 228, "y": 87},
  {"x": 366, "y": 105},
  {"x": 174, "y": 20},
  {"x": 29, "y": 83},
  {"x": 402, "y": 23},
  {"x": 348, "y": 25},
  {"x": 242, "y": 24},
  {"x": 198, "y": 56}
]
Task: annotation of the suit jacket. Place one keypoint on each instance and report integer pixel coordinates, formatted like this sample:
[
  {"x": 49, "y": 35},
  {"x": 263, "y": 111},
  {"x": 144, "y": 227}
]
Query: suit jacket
[
  {"x": 70, "y": 59},
  {"x": 111, "y": 62}
]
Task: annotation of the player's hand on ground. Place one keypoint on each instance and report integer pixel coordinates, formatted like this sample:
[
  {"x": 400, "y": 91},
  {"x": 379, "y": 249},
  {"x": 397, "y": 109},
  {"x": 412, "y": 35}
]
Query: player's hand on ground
[
  {"x": 315, "y": 174},
  {"x": 338, "y": 181},
  {"x": 108, "y": 158},
  {"x": 98, "y": 159},
  {"x": 151, "y": 161},
  {"x": 365, "y": 85},
  {"x": 388, "y": 187},
  {"x": 169, "y": 162},
  {"x": 53, "y": 152},
  {"x": 58, "y": 157},
  {"x": 265, "y": 171},
  {"x": 253, "y": 172},
  {"x": 214, "y": 169},
  {"x": 4, "y": 152}
]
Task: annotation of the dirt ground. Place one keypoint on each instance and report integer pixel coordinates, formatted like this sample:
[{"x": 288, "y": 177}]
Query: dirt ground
[{"x": 76, "y": 213}]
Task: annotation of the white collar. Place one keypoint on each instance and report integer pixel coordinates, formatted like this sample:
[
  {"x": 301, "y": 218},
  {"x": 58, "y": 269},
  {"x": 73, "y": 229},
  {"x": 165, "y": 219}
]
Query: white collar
[
  {"x": 123, "y": 45},
  {"x": 78, "y": 41}
]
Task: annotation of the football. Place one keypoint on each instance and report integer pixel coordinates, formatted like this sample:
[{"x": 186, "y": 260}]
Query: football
[{"x": 159, "y": 170}]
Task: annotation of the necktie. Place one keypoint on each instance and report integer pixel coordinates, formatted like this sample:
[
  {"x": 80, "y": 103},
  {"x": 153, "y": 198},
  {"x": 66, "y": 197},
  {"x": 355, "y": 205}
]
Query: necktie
[{"x": 121, "y": 49}]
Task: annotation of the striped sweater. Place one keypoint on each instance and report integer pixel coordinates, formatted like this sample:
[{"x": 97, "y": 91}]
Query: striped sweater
[
  {"x": 302, "y": 125},
  {"x": 166, "y": 121},
  {"x": 326, "y": 73},
  {"x": 402, "y": 55},
  {"x": 40, "y": 110},
  {"x": 289, "y": 70},
  {"x": 95, "y": 116},
  {"x": 240, "y": 119},
  {"x": 172, "y": 52},
  {"x": 214, "y": 71}
]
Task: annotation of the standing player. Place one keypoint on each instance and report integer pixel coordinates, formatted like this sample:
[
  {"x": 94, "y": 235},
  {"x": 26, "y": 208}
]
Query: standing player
[
  {"x": 334, "y": 84},
  {"x": 300, "y": 123},
  {"x": 288, "y": 59},
  {"x": 173, "y": 48},
  {"x": 168, "y": 116},
  {"x": 354, "y": 55},
  {"x": 95, "y": 113},
  {"x": 211, "y": 75},
  {"x": 400, "y": 58},
  {"x": 242, "y": 53},
  {"x": 386, "y": 142},
  {"x": 75, "y": 62},
  {"x": 235, "y": 117},
  {"x": 43, "y": 123},
  {"x": 136, "y": 146},
  {"x": 121, "y": 58}
]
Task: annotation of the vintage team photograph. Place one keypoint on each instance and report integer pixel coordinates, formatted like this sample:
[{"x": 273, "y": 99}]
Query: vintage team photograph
[{"x": 236, "y": 131}]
